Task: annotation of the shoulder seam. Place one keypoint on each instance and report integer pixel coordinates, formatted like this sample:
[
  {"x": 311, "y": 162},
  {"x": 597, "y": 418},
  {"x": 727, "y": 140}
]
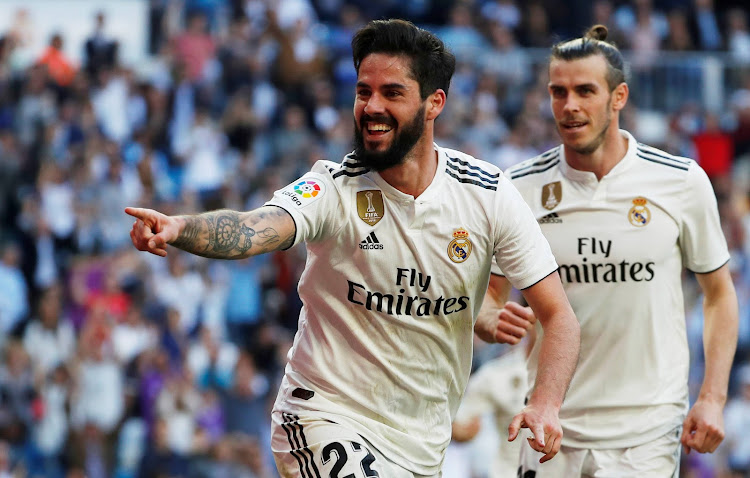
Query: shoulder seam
[
  {"x": 535, "y": 161},
  {"x": 663, "y": 161},
  {"x": 347, "y": 166},
  {"x": 662, "y": 154},
  {"x": 481, "y": 184},
  {"x": 468, "y": 164},
  {"x": 466, "y": 174},
  {"x": 541, "y": 160},
  {"x": 548, "y": 164}
]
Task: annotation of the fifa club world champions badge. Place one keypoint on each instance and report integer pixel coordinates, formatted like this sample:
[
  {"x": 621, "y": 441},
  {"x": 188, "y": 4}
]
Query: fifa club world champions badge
[
  {"x": 551, "y": 195},
  {"x": 639, "y": 215},
  {"x": 460, "y": 247},
  {"x": 370, "y": 206}
]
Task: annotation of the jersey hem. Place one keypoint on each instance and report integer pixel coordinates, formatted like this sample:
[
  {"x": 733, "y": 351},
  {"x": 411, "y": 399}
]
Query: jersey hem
[
  {"x": 320, "y": 407},
  {"x": 712, "y": 270},
  {"x": 628, "y": 442},
  {"x": 540, "y": 280}
]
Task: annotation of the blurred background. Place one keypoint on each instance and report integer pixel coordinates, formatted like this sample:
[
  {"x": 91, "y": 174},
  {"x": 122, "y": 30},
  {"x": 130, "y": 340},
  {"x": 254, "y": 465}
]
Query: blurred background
[{"x": 120, "y": 364}]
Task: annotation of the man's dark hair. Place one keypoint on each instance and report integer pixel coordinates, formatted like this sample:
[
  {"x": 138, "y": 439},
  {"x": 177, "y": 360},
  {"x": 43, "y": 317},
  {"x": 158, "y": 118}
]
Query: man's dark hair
[
  {"x": 593, "y": 43},
  {"x": 432, "y": 64}
]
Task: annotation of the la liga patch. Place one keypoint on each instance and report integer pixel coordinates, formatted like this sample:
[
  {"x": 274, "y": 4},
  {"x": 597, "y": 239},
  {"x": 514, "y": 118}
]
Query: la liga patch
[{"x": 304, "y": 192}]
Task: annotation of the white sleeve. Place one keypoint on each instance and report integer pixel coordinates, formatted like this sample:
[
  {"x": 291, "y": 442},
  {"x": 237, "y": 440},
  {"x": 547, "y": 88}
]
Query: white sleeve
[
  {"x": 314, "y": 203},
  {"x": 521, "y": 250},
  {"x": 704, "y": 248}
]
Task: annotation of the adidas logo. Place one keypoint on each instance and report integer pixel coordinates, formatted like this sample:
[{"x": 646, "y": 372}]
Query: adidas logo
[
  {"x": 553, "y": 218},
  {"x": 370, "y": 242}
]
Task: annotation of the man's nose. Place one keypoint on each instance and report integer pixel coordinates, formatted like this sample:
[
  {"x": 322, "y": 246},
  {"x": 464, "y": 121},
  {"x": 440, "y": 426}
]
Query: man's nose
[{"x": 375, "y": 105}]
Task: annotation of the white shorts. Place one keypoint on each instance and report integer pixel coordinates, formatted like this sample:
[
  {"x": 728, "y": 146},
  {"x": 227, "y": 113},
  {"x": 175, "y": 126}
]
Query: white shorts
[
  {"x": 657, "y": 459},
  {"x": 308, "y": 447}
]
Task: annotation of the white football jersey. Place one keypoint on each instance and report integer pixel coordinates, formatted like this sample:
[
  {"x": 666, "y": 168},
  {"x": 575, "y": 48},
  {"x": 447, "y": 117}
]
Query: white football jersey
[
  {"x": 498, "y": 388},
  {"x": 622, "y": 243},
  {"x": 390, "y": 292}
]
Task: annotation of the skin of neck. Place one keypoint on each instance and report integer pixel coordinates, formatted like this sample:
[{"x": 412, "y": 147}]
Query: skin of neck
[
  {"x": 415, "y": 174},
  {"x": 601, "y": 161}
]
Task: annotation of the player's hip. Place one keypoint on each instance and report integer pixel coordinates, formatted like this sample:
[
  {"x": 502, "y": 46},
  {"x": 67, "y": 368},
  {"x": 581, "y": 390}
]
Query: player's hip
[
  {"x": 658, "y": 458},
  {"x": 305, "y": 446}
]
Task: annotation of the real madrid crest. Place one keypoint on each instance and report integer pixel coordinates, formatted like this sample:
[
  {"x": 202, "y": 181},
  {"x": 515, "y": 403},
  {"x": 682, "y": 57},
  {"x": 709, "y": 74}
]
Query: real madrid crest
[
  {"x": 370, "y": 206},
  {"x": 639, "y": 215},
  {"x": 460, "y": 247},
  {"x": 551, "y": 195}
]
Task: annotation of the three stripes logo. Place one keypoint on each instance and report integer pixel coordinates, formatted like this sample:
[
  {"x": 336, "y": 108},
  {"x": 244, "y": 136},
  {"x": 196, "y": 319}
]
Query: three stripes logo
[
  {"x": 370, "y": 242},
  {"x": 299, "y": 447}
]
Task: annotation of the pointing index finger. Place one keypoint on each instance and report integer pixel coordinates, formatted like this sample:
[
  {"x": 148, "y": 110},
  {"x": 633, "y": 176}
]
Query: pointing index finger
[{"x": 136, "y": 212}]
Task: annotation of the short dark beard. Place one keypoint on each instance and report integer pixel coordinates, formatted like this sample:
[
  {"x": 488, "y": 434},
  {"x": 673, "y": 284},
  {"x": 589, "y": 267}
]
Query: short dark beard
[{"x": 402, "y": 144}]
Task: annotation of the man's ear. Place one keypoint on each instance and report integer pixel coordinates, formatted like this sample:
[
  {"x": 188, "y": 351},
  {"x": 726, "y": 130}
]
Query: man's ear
[
  {"x": 435, "y": 104},
  {"x": 620, "y": 96}
]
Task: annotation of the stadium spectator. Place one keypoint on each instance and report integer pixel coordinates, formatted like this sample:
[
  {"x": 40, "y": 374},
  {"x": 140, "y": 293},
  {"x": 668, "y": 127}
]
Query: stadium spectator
[
  {"x": 535, "y": 30},
  {"x": 195, "y": 47},
  {"x": 738, "y": 35},
  {"x": 59, "y": 67},
  {"x": 160, "y": 460},
  {"x": 704, "y": 25},
  {"x": 49, "y": 338},
  {"x": 100, "y": 50},
  {"x": 714, "y": 149},
  {"x": 50, "y": 429},
  {"x": 502, "y": 12},
  {"x": 181, "y": 290},
  {"x": 14, "y": 301},
  {"x": 19, "y": 401},
  {"x": 461, "y": 34}
]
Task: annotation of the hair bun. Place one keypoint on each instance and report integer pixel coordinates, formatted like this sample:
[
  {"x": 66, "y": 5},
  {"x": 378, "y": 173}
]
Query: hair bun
[{"x": 597, "y": 32}]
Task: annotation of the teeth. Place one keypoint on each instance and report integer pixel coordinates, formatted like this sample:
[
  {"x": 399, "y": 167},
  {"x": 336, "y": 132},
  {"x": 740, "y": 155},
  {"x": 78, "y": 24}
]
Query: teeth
[{"x": 380, "y": 127}]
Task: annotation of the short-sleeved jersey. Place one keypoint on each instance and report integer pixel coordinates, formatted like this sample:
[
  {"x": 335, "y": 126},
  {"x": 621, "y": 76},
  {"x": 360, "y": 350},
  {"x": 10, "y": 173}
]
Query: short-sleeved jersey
[
  {"x": 622, "y": 243},
  {"x": 390, "y": 292},
  {"x": 498, "y": 388}
]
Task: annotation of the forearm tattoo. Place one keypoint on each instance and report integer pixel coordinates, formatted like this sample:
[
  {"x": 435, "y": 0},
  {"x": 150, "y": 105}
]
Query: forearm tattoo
[
  {"x": 191, "y": 233},
  {"x": 229, "y": 234}
]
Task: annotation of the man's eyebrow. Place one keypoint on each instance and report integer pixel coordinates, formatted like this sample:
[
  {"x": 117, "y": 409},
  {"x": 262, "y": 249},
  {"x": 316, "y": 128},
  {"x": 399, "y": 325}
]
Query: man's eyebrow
[
  {"x": 580, "y": 85},
  {"x": 396, "y": 86}
]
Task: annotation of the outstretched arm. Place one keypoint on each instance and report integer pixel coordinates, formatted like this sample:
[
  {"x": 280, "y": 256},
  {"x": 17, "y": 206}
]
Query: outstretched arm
[
  {"x": 222, "y": 234},
  {"x": 703, "y": 429},
  {"x": 558, "y": 356}
]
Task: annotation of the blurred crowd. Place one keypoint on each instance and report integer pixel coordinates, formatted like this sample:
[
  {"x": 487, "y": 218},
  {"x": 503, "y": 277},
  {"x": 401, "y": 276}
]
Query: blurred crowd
[{"x": 120, "y": 364}]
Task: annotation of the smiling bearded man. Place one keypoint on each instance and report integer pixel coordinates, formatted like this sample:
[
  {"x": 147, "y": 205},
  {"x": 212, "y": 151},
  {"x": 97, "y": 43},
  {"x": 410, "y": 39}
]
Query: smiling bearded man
[{"x": 401, "y": 144}]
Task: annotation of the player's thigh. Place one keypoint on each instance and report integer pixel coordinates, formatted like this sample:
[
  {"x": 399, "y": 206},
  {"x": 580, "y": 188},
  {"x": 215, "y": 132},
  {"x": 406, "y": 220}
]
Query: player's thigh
[
  {"x": 308, "y": 447},
  {"x": 659, "y": 458},
  {"x": 567, "y": 463}
]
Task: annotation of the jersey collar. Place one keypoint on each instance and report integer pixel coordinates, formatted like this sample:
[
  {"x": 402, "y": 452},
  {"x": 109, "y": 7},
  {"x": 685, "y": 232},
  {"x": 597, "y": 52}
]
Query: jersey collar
[
  {"x": 624, "y": 164},
  {"x": 431, "y": 190}
]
